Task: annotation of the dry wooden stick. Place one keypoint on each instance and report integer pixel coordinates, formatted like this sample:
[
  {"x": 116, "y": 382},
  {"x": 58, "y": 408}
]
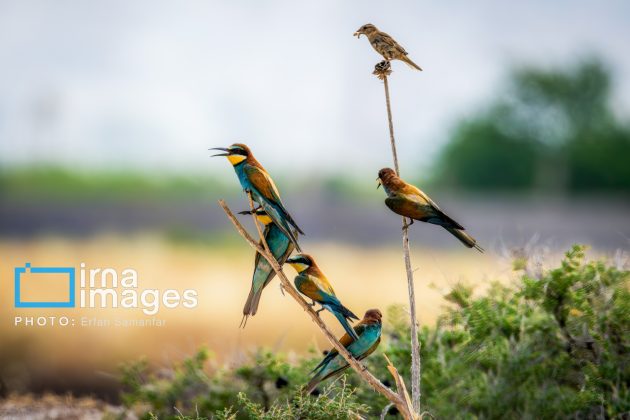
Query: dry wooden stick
[
  {"x": 382, "y": 70},
  {"x": 399, "y": 401}
]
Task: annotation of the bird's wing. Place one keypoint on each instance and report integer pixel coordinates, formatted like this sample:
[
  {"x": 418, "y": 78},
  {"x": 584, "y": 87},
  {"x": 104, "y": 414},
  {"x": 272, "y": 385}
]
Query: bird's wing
[
  {"x": 308, "y": 287},
  {"x": 371, "y": 349},
  {"x": 323, "y": 283},
  {"x": 387, "y": 39},
  {"x": 444, "y": 219},
  {"x": 278, "y": 242},
  {"x": 409, "y": 206},
  {"x": 261, "y": 180},
  {"x": 345, "y": 341},
  {"x": 263, "y": 183}
]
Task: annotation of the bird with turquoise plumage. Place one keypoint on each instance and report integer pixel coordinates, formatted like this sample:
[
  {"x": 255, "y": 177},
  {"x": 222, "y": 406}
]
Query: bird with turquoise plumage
[
  {"x": 255, "y": 180},
  {"x": 409, "y": 201},
  {"x": 280, "y": 246},
  {"x": 312, "y": 283},
  {"x": 368, "y": 331}
]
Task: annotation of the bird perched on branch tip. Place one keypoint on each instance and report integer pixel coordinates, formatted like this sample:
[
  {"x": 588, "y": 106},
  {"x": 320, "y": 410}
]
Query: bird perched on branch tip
[{"x": 385, "y": 45}]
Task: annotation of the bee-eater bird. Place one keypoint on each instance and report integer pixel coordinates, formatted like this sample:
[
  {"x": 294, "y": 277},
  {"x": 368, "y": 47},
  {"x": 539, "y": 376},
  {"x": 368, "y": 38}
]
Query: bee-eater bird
[
  {"x": 312, "y": 283},
  {"x": 369, "y": 332},
  {"x": 255, "y": 180},
  {"x": 408, "y": 201},
  {"x": 280, "y": 246},
  {"x": 385, "y": 45}
]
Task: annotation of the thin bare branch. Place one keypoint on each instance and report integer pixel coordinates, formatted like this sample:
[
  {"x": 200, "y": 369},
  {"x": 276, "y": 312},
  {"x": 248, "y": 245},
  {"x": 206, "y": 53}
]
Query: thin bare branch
[
  {"x": 382, "y": 70},
  {"x": 400, "y": 402}
]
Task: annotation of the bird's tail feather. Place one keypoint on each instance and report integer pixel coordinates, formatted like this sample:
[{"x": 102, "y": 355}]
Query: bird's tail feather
[
  {"x": 244, "y": 321},
  {"x": 465, "y": 238},
  {"x": 410, "y": 63},
  {"x": 324, "y": 374},
  {"x": 345, "y": 324},
  {"x": 312, "y": 384},
  {"x": 253, "y": 299}
]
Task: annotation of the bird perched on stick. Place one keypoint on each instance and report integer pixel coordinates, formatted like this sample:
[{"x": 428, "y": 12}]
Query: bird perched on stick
[
  {"x": 311, "y": 282},
  {"x": 369, "y": 332},
  {"x": 255, "y": 180},
  {"x": 280, "y": 246},
  {"x": 407, "y": 200},
  {"x": 385, "y": 45}
]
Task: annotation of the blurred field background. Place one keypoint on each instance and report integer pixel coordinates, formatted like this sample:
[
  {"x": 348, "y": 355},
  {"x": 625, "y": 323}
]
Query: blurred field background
[{"x": 519, "y": 128}]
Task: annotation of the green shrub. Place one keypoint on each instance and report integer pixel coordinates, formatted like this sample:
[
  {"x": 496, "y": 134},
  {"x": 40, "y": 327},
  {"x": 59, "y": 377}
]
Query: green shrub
[{"x": 551, "y": 345}]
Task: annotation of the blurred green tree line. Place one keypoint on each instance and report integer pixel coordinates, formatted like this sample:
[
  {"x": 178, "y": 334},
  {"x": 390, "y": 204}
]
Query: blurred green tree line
[{"x": 552, "y": 130}]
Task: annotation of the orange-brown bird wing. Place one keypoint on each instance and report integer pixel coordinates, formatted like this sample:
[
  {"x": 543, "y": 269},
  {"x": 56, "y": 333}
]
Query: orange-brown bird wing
[
  {"x": 310, "y": 287},
  {"x": 263, "y": 183},
  {"x": 323, "y": 283},
  {"x": 410, "y": 201}
]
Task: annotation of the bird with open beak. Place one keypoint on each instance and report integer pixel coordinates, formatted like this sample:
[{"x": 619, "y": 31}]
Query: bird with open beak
[
  {"x": 385, "y": 45},
  {"x": 255, "y": 180},
  {"x": 409, "y": 201}
]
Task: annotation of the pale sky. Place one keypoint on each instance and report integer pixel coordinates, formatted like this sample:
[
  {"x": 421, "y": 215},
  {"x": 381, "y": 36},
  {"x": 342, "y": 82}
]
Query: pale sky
[{"x": 153, "y": 84}]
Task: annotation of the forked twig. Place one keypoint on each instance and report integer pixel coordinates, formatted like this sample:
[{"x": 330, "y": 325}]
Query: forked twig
[{"x": 401, "y": 402}]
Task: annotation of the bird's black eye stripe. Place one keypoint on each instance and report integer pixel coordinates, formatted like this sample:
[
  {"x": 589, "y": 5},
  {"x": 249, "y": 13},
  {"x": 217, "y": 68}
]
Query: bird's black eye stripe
[{"x": 238, "y": 151}]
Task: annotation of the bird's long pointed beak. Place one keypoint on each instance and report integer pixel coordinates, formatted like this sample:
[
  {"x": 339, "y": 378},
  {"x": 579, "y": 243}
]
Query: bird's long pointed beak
[
  {"x": 245, "y": 212},
  {"x": 357, "y": 34},
  {"x": 378, "y": 183},
  {"x": 222, "y": 149}
]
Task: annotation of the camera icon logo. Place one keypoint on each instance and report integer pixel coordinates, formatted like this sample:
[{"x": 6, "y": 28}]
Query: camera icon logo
[{"x": 36, "y": 273}]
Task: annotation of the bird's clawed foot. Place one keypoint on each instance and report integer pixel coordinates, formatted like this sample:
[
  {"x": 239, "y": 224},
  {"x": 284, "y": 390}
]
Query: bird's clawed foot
[
  {"x": 407, "y": 224},
  {"x": 319, "y": 310}
]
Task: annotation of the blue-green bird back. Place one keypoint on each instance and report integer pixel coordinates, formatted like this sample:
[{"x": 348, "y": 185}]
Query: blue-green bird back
[
  {"x": 369, "y": 337},
  {"x": 281, "y": 247},
  {"x": 274, "y": 209}
]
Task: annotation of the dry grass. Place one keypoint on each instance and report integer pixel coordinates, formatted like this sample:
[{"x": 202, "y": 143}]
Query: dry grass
[{"x": 363, "y": 279}]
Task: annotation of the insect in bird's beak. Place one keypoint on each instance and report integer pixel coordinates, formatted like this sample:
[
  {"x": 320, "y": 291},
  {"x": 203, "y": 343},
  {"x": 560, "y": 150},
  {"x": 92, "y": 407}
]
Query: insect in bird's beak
[
  {"x": 222, "y": 149},
  {"x": 357, "y": 34},
  {"x": 378, "y": 183}
]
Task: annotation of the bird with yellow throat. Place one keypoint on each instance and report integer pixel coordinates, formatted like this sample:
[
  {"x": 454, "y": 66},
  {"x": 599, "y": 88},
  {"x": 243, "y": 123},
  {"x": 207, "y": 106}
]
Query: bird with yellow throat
[
  {"x": 255, "y": 180},
  {"x": 312, "y": 283}
]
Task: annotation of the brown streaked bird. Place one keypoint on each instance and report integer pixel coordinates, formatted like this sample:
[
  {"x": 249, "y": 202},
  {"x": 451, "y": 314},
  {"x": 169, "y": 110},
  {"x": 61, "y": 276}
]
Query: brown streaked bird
[
  {"x": 409, "y": 201},
  {"x": 385, "y": 45}
]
